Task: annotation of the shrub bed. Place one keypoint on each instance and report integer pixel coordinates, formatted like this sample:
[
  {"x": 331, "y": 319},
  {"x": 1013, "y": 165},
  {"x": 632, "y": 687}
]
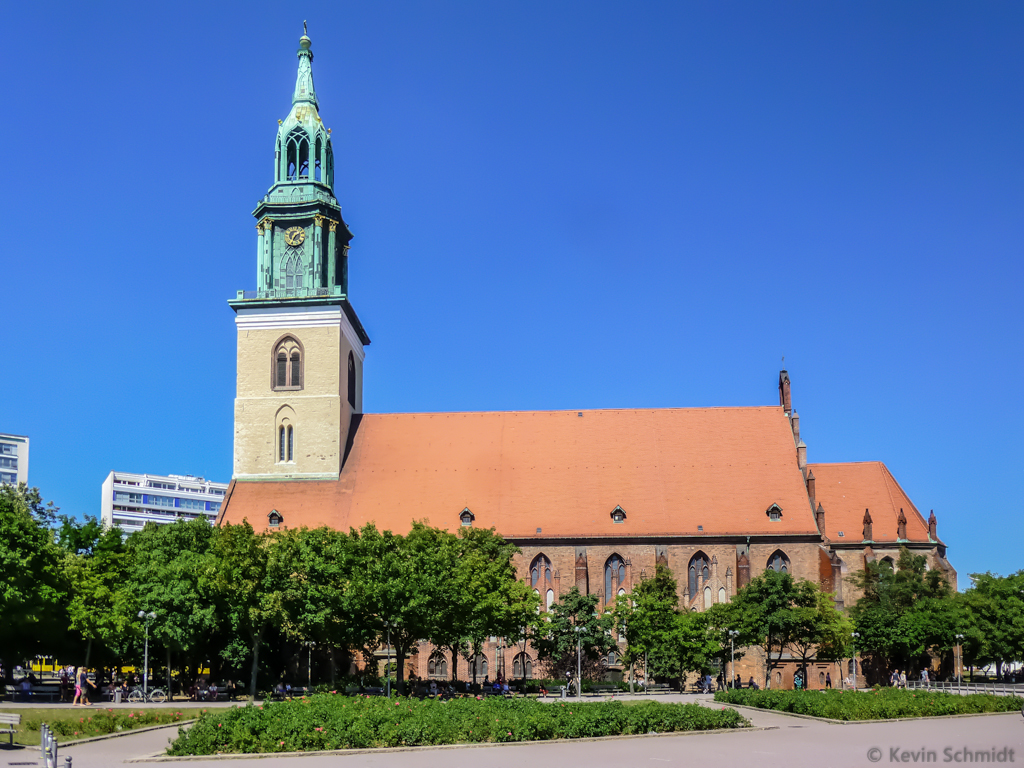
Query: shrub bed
[
  {"x": 880, "y": 704},
  {"x": 342, "y": 722}
]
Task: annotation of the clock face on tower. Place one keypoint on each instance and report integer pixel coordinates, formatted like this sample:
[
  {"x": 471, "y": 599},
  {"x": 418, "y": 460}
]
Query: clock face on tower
[{"x": 294, "y": 235}]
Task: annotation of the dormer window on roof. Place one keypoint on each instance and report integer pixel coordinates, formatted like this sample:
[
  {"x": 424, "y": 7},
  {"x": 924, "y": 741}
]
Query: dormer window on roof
[
  {"x": 466, "y": 517},
  {"x": 618, "y": 515},
  {"x": 274, "y": 519},
  {"x": 774, "y": 513}
]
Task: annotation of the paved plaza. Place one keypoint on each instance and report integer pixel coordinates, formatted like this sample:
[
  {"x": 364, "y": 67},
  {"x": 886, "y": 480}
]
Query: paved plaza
[{"x": 784, "y": 741}]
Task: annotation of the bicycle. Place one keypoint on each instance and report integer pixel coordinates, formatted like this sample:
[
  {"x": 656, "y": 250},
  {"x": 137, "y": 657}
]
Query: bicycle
[{"x": 156, "y": 696}]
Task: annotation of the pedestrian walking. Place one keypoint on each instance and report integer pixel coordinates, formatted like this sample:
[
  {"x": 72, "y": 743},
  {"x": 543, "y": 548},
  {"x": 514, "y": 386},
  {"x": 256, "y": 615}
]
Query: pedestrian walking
[
  {"x": 903, "y": 680},
  {"x": 81, "y": 680},
  {"x": 828, "y": 680}
]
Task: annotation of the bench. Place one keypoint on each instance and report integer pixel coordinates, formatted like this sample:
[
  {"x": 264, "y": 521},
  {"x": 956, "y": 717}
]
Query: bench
[
  {"x": 12, "y": 720},
  {"x": 603, "y": 689},
  {"x": 40, "y": 690}
]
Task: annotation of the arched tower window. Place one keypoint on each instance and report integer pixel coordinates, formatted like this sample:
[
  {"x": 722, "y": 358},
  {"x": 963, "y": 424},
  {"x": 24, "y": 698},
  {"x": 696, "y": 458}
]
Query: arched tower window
[
  {"x": 293, "y": 274},
  {"x": 291, "y": 443},
  {"x": 698, "y": 571},
  {"x": 288, "y": 364},
  {"x": 351, "y": 380},
  {"x": 298, "y": 155},
  {"x": 319, "y": 153},
  {"x": 330, "y": 165},
  {"x": 614, "y": 577},
  {"x": 779, "y": 562},
  {"x": 282, "y": 433}
]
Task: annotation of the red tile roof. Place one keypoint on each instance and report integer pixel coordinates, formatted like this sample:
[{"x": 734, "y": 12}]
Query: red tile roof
[
  {"x": 563, "y": 472},
  {"x": 846, "y": 490}
]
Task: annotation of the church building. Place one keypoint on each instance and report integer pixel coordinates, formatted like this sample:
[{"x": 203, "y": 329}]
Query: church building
[{"x": 595, "y": 499}]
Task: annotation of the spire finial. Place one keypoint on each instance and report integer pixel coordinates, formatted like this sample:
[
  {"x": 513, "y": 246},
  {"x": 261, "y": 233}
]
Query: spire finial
[{"x": 304, "y": 30}]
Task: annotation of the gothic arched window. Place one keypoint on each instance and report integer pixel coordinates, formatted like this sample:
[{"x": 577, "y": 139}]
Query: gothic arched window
[
  {"x": 614, "y": 576},
  {"x": 293, "y": 274},
  {"x": 541, "y": 579},
  {"x": 779, "y": 562},
  {"x": 351, "y": 380},
  {"x": 281, "y": 443},
  {"x": 699, "y": 571},
  {"x": 288, "y": 364},
  {"x": 437, "y": 666},
  {"x": 316, "y": 166},
  {"x": 522, "y": 667},
  {"x": 478, "y": 667}
]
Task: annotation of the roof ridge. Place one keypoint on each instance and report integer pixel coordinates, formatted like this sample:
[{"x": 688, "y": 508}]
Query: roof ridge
[
  {"x": 587, "y": 410},
  {"x": 842, "y": 463}
]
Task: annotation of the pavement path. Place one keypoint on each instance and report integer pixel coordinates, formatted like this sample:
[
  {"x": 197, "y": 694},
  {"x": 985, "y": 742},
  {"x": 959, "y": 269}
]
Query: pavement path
[{"x": 791, "y": 742}]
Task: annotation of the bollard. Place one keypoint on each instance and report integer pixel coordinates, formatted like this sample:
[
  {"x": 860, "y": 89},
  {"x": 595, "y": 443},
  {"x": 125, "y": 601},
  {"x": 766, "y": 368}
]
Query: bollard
[{"x": 67, "y": 761}]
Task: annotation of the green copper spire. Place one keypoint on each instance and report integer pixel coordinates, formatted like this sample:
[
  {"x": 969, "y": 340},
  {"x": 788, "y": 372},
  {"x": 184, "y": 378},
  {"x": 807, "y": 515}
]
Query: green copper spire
[{"x": 304, "y": 91}]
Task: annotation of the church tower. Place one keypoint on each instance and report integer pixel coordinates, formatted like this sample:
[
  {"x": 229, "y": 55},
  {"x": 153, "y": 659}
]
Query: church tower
[{"x": 300, "y": 343}]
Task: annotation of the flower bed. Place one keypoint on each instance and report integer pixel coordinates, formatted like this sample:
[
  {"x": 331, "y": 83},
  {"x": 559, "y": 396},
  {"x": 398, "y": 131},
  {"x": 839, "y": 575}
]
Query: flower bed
[
  {"x": 341, "y": 722},
  {"x": 880, "y": 704},
  {"x": 71, "y": 724}
]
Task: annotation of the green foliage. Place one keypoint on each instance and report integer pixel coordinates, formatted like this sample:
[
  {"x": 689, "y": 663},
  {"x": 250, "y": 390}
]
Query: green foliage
[
  {"x": 905, "y": 613},
  {"x": 32, "y": 582},
  {"x": 96, "y": 568},
  {"x": 556, "y": 642},
  {"x": 100, "y": 722},
  {"x": 337, "y": 722},
  {"x": 253, "y": 580},
  {"x": 780, "y": 613},
  {"x": 880, "y": 704},
  {"x": 995, "y": 619}
]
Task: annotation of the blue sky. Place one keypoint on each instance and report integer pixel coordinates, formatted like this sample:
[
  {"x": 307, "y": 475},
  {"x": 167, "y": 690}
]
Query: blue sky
[{"x": 556, "y": 206}]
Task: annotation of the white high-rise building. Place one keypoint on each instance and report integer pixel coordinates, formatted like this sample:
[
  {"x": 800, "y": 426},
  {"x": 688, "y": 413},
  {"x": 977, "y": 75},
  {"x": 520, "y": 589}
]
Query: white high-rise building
[
  {"x": 13, "y": 459},
  {"x": 130, "y": 501}
]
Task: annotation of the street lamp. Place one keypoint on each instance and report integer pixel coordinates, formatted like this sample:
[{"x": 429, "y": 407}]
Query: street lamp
[
  {"x": 579, "y": 687},
  {"x": 854, "y": 635},
  {"x": 732, "y": 657},
  {"x": 146, "y": 618},
  {"x": 960, "y": 664},
  {"x": 387, "y": 659}
]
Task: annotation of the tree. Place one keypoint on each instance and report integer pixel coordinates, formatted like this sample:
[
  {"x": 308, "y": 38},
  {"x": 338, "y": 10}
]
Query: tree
[
  {"x": 766, "y": 614},
  {"x": 252, "y": 577},
  {"x": 96, "y": 569},
  {"x": 904, "y": 613},
  {"x": 557, "y": 641},
  {"x": 688, "y": 646},
  {"x": 32, "y": 583},
  {"x": 995, "y": 612},
  {"x": 646, "y": 618},
  {"x": 820, "y": 631},
  {"x": 170, "y": 568},
  {"x": 322, "y": 611},
  {"x": 387, "y": 590},
  {"x": 491, "y": 600}
]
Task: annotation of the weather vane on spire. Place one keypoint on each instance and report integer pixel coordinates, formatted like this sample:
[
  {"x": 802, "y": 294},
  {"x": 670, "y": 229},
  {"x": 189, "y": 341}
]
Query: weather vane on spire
[{"x": 304, "y": 31}]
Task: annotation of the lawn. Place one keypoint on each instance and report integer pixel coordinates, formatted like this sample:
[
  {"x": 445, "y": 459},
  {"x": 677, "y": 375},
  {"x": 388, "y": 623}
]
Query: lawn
[
  {"x": 83, "y": 722},
  {"x": 325, "y": 722},
  {"x": 879, "y": 704}
]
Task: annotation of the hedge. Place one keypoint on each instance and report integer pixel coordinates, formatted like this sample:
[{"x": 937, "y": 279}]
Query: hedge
[
  {"x": 341, "y": 722},
  {"x": 879, "y": 704}
]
